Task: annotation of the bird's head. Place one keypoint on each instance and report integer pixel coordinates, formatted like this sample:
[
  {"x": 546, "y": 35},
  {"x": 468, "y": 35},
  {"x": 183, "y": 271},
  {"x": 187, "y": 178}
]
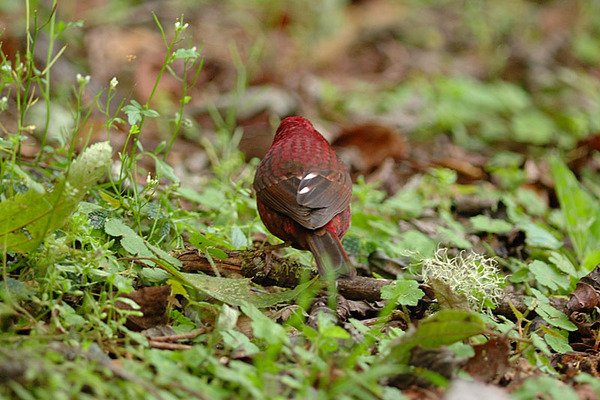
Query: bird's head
[{"x": 295, "y": 126}]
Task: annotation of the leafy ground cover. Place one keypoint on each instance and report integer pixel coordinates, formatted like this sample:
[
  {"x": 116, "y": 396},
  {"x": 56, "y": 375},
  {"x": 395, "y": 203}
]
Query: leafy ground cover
[{"x": 134, "y": 264}]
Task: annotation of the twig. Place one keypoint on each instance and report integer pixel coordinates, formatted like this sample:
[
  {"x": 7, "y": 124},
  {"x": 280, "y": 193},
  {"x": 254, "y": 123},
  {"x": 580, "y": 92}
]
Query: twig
[{"x": 180, "y": 336}]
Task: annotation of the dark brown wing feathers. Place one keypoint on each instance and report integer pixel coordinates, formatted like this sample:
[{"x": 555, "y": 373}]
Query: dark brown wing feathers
[{"x": 310, "y": 202}]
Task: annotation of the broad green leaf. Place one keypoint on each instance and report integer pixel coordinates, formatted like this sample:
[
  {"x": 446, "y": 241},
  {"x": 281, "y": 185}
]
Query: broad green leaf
[
  {"x": 189, "y": 194},
  {"x": 537, "y": 236},
  {"x": 238, "y": 239},
  {"x": 131, "y": 241},
  {"x": 334, "y": 331},
  {"x": 235, "y": 340},
  {"x": 591, "y": 260},
  {"x": 558, "y": 343},
  {"x": 546, "y": 387},
  {"x": 239, "y": 291},
  {"x": 409, "y": 202},
  {"x": 443, "y": 328},
  {"x": 549, "y": 275},
  {"x": 539, "y": 343},
  {"x": 580, "y": 209},
  {"x": 164, "y": 170},
  {"x": 211, "y": 198},
  {"x": 164, "y": 255},
  {"x": 533, "y": 127},
  {"x": 263, "y": 327},
  {"x": 453, "y": 237},
  {"x": 454, "y": 232},
  {"x": 555, "y": 317},
  {"x": 186, "y": 53},
  {"x": 484, "y": 223},
  {"x": 532, "y": 202},
  {"x": 210, "y": 245},
  {"x": 563, "y": 263},
  {"x": 15, "y": 290},
  {"x": 154, "y": 274},
  {"x": 403, "y": 291},
  {"x": 133, "y": 112},
  {"x": 26, "y": 219},
  {"x": 413, "y": 240},
  {"x": 228, "y": 318}
]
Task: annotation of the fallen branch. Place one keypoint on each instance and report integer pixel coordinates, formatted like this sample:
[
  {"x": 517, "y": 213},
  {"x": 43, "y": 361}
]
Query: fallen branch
[{"x": 268, "y": 269}]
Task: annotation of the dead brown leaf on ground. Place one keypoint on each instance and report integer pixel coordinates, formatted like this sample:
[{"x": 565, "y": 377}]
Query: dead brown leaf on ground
[
  {"x": 491, "y": 360},
  {"x": 153, "y": 302}
]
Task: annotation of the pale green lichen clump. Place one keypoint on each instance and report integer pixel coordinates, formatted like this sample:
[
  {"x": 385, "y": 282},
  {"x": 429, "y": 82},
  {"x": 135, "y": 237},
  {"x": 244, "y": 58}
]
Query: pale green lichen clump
[{"x": 473, "y": 275}]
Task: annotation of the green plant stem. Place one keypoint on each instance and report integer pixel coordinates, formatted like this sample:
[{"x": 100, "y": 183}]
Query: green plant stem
[{"x": 45, "y": 87}]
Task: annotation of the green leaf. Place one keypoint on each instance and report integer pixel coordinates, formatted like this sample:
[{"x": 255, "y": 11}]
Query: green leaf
[
  {"x": 413, "y": 240},
  {"x": 164, "y": 170},
  {"x": 403, "y": 291},
  {"x": 563, "y": 263},
  {"x": 185, "y": 54},
  {"x": 239, "y": 291},
  {"x": 536, "y": 236},
  {"x": 228, "y": 318},
  {"x": 558, "y": 343},
  {"x": 133, "y": 112},
  {"x": 335, "y": 332},
  {"x": 263, "y": 327},
  {"x": 443, "y": 328},
  {"x": 580, "y": 209},
  {"x": 211, "y": 198},
  {"x": 26, "y": 219},
  {"x": 533, "y": 127},
  {"x": 409, "y": 202},
  {"x": 531, "y": 201},
  {"x": 235, "y": 339},
  {"x": 554, "y": 317},
  {"x": 548, "y": 275},
  {"x": 545, "y": 387},
  {"x": 208, "y": 245},
  {"x": 539, "y": 343},
  {"x": 154, "y": 274},
  {"x": 591, "y": 260},
  {"x": 16, "y": 290},
  {"x": 189, "y": 194},
  {"x": 484, "y": 223},
  {"x": 148, "y": 112},
  {"x": 238, "y": 239},
  {"x": 163, "y": 255},
  {"x": 454, "y": 237},
  {"x": 130, "y": 240}
]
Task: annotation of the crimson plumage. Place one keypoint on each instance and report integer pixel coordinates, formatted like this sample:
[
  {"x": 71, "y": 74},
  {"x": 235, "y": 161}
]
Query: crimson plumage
[{"x": 303, "y": 194}]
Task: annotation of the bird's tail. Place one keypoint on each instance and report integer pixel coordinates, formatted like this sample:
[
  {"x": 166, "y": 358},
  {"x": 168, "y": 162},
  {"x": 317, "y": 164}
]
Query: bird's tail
[{"x": 330, "y": 254}]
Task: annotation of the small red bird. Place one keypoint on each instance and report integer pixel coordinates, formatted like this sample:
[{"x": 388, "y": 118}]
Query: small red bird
[{"x": 303, "y": 194}]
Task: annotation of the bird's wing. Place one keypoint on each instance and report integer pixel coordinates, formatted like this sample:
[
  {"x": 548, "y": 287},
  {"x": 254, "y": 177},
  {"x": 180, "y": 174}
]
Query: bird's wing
[{"x": 312, "y": 200}]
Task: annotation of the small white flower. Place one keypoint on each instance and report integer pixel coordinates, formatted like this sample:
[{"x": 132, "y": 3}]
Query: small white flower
[
  {"x": 83, "y": 80},
  {"x": 179, "y": 27},
  {"x": 6, "y": 68},
  {"x": 114, "y": 82}
]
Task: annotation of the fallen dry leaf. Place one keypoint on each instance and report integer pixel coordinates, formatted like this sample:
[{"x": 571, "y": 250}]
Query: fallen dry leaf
[
  {"x": 490, "y": 362},
  {"x": 153, "y": 301},
  {"x": 366, "y": 146}
]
